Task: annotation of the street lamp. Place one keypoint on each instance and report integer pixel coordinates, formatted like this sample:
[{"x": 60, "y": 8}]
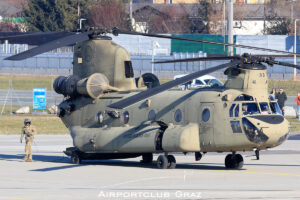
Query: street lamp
[
  {"x": 154, "y": 44},
  {"x": 80, "y": 23},
  {"x": 295, "y": 49}
]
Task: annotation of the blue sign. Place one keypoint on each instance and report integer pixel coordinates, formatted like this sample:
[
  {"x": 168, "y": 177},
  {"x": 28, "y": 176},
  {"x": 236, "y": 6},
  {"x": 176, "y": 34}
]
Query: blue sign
[{"x": 39, "y": 98}]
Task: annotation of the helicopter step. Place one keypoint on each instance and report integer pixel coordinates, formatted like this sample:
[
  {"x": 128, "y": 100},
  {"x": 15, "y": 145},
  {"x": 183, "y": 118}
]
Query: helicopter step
[{"x": 234, "y": 161}]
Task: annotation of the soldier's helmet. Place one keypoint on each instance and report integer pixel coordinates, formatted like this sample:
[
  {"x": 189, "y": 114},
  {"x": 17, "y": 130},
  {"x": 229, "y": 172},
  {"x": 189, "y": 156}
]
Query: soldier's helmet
[{"x": 27, "y": 121}]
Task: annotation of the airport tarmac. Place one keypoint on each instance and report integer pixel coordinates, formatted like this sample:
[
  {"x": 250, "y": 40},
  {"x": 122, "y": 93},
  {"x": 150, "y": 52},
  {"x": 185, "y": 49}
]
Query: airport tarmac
[{"x": 51, "y": 176}]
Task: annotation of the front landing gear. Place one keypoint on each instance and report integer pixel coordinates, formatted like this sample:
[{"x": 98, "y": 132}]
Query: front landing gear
[
  {"x": 75, "y": 159},
  {"x": 234, "y": 161},
  {"x": 164, "y": 162}
]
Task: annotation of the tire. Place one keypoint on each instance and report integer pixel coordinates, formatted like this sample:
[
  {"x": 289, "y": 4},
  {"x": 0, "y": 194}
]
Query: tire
[
  {"x": 162, "y": 162},
  {"x": 75, "y": 159},
  {"x": 239, "y": 161},
  {"x": 147, "y": 158},
  {"x": 198, "y": 156},
  {"x": 171, "y": 162},
  {"x": 230, "y": 162}
]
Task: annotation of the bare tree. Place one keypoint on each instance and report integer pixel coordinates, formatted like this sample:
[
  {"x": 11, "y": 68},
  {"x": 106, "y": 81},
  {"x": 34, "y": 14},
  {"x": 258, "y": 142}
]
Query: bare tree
[
  {"x": 167, "y": 19},
  {"x": 108, "y": 14},
  {"x": 172, "y": 20}
]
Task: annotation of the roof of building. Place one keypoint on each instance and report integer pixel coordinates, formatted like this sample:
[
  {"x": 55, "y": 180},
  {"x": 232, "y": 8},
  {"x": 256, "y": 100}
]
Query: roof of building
[{"x": 242, "y": 11}]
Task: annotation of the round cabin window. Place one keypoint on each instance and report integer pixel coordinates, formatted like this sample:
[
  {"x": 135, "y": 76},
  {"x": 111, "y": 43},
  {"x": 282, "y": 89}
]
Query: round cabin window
[
  {"x": 205, "y": 115},
  {"x": 99, "y": 117},
  {"x": 178, "y": 115},
  {"x": 151, "y": 115},
  {"x": 125, "y": 117}
]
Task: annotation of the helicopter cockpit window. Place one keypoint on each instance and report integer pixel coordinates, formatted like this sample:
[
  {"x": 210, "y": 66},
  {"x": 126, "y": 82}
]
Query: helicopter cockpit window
[
  {"x": 128, "y": 69},
  {"x": 244, "y": 97},
  {"x": 250, "y": 108},
  {"x": 231, "y": 110},
  {"x": 264, "y": 107},
  {"x": 236, "y": 111}
]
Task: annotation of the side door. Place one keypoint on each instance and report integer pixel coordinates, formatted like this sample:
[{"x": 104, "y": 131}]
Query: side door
[
  {"x": 206, "y": 129},
  {"x": 234, "y": 118}
]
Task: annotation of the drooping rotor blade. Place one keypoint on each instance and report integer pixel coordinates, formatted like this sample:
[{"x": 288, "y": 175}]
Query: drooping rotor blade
[
  {"x": 26, "y": 35},
  {"x": 198, "y": 59},
  {"x": 286, "y": 64},
  {"x": 117, "y": 31},
  {"x": 153, "y": 91},
  {"x": 79, "y": 37}
]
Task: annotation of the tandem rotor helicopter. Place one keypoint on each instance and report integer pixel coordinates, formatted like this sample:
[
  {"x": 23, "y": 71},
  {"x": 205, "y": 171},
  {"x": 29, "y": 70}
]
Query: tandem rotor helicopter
[{"x": 112, "y": 115}]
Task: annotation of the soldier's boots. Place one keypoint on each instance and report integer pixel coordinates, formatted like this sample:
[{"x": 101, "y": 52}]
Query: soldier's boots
[
  {"x": 25, "y": 158},
  {"x": 29, "y": 160}
]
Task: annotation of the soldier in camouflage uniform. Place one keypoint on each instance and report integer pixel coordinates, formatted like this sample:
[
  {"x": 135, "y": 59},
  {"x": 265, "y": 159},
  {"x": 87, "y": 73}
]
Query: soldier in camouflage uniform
[{"x": 28, "y": 131}]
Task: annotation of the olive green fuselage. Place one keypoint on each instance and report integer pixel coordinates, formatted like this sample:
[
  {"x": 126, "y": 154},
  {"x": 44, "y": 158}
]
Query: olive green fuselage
[{"x": 190, "y": 127}]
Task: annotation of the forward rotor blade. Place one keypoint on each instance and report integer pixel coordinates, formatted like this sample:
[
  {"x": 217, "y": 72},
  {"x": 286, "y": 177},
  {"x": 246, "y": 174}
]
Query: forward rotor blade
[
  {"x": 197, "y": 59},
  {"x": 116, "y": 31},
  {"x": 26, "y": 35},
  {"x": 65, "y": 41},
  {"x": 153, "y": 91}
]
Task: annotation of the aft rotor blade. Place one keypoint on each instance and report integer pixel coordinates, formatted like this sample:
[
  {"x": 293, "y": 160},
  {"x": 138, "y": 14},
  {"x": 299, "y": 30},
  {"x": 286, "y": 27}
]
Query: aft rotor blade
[
  {"x": 26, "y": 35},
  {"x": 61, "y": 42},
  {"x": 198, "y": 59},
  {"x": 287, "y": 64},
  {"x": 116, "y": 31},
  {"x": 156, "y": 90}
]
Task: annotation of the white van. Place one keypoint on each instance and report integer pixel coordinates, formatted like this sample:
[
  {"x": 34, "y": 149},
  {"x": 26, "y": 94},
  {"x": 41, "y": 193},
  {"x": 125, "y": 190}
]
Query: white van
[{"x": 202, "y": 81}]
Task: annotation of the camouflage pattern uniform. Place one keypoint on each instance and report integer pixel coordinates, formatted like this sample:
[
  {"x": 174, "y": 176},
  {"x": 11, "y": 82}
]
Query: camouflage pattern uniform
[{"x": 28, "y": 131}]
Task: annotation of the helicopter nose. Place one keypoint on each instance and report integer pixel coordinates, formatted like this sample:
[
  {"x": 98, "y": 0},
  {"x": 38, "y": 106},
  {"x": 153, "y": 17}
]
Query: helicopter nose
[{"x": 270, "y": 130}]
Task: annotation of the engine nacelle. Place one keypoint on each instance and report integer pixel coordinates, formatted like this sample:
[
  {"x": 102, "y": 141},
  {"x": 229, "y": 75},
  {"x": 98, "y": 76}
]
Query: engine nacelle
[{"x": 93, "y": 86}]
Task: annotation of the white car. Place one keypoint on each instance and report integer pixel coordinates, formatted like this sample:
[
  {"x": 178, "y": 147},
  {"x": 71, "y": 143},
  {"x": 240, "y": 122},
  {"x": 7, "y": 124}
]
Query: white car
[{"x": 202, "y": 81}]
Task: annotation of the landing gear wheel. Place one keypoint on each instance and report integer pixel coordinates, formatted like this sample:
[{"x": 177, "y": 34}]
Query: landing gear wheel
[
  {"x": 198, "y": 156},
  {"x": 162, "y": 162},
  {"x": 257, "y": 154},
  {"x": 171, "y": 162},
  {"x": 229, "y": 161},
  {"x": 147, "y": 158},
  {"x": 239, "y": 161},
  {"x": 76, "y": 159},
  {"x": 234, "y": 161}
]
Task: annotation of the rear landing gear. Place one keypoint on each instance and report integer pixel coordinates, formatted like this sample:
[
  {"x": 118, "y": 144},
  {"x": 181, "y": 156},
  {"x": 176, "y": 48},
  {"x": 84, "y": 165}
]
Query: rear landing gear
[
  {"x": 234, "y": 161},
  {"x": 164, "y": 162}
]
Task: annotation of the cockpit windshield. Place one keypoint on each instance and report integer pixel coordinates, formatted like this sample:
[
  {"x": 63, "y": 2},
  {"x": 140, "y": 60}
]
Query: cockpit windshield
[
  {"x": 264, "y": 107},
  {"x": 250, "y": 109}
]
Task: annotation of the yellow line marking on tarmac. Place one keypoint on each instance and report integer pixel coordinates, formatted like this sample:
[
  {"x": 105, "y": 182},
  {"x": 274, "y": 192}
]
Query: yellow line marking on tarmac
[{"x": 266, "y": 173}]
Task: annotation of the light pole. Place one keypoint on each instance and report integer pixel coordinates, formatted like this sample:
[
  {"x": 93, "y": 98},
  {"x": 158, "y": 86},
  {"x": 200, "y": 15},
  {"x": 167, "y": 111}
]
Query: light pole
[
  {"x": 295, "y": 49},
  {"x": 80, "y": 23},
  {"x": 154, "y": 44},
  {"x": 230, "y": 26}
]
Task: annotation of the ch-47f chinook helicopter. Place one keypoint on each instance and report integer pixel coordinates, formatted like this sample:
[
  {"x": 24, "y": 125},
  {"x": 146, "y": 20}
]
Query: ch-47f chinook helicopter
[{"x": 112, "y": 115}]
